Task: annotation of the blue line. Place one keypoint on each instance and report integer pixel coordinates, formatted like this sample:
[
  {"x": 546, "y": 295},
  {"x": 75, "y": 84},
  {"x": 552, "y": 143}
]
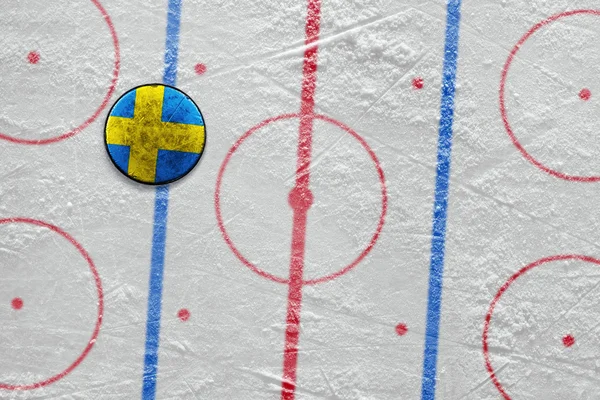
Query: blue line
[
  {"x": 159, "y": 238},
  {"x": 159, "y": 235},
  {"x": 440, "y": 207},
  {"x": 172, "y": 44}
]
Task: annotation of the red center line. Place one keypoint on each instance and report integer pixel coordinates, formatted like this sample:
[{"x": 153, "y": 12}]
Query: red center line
[{"x": 300, "y": 200}]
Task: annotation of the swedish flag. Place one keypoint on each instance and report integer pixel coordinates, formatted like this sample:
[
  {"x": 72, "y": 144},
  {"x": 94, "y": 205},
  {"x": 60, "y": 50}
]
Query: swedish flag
[{"x": 155, "y": 134}]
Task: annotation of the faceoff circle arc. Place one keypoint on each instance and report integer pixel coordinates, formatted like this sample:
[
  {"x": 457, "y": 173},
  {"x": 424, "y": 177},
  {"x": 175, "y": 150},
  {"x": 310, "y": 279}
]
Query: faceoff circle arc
[
  {"x": 280, "y": 279},
  {"x": 103, "y": 104},
  {"x": 99, "y": 292},
  {"x": 488, "y": 317},
  {"x": 504, "y": 113}
]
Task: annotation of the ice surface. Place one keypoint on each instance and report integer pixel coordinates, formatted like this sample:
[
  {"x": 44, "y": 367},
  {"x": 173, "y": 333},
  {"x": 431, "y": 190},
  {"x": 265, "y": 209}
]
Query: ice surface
[{"x": 374, "y": 153}]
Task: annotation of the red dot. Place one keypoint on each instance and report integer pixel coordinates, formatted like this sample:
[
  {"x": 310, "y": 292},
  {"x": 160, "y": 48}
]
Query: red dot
[
  {"x": 17, "y": 303},
  {"x": 401, "y": 329},
  {"x": 200, "y": 68},
  {"x": 417, "y": 83},
  {"x": 33, "y": 57},
  {"x": 183, "y": 314},
  {"x": 585, "y": 94},
  {"x": 568, "y": 340}
]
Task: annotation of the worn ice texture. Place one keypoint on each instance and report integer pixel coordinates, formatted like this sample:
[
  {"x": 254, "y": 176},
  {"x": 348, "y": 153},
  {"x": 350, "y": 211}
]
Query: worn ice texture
[{"x": 504, "y": 212}]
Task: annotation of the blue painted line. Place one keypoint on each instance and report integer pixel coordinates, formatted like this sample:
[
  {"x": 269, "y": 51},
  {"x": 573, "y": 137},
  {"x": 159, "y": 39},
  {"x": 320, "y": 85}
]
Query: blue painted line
[
  {"x": 159, "y": 235},
  {"x": 440, "y": 206},
  {"x": 172, "y": 44}
]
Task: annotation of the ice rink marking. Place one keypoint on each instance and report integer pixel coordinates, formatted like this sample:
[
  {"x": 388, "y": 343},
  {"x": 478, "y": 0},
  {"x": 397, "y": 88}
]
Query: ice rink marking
[
  {"x": 159, "y": 235},
  {"x": 440, "y": 206},
  {"x": 34, "y": 58},
  {"x": 279, "y": 279},
  {"x": 568, "y": 340},
  {"x": 300, "y": 199},
  {"x": 17, "y": 305},
  {"x": 585, "y": 95}
]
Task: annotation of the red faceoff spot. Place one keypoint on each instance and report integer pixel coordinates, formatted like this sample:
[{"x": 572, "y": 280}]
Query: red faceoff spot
[
  {"x": 568, "y": 340},
  {"x": 33, "y": 57},
  {"x": 183, "y": 314},
  {"x": 585, "y": 94},
  {"x": 200, "y": 68},
  {"x": 401, "y": 329},
  {"x": 17, "y": 303},
  {"x": 418, "y": 83}
]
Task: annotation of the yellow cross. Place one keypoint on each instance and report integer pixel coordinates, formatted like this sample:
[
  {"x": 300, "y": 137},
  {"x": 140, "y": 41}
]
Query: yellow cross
[{"x": 146, "y": 133}]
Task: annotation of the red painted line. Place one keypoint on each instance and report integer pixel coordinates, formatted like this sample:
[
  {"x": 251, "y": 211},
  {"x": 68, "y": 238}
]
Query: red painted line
[
  {"x": 300, "y": 199},
  {"x": 285, "y": 280}
]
